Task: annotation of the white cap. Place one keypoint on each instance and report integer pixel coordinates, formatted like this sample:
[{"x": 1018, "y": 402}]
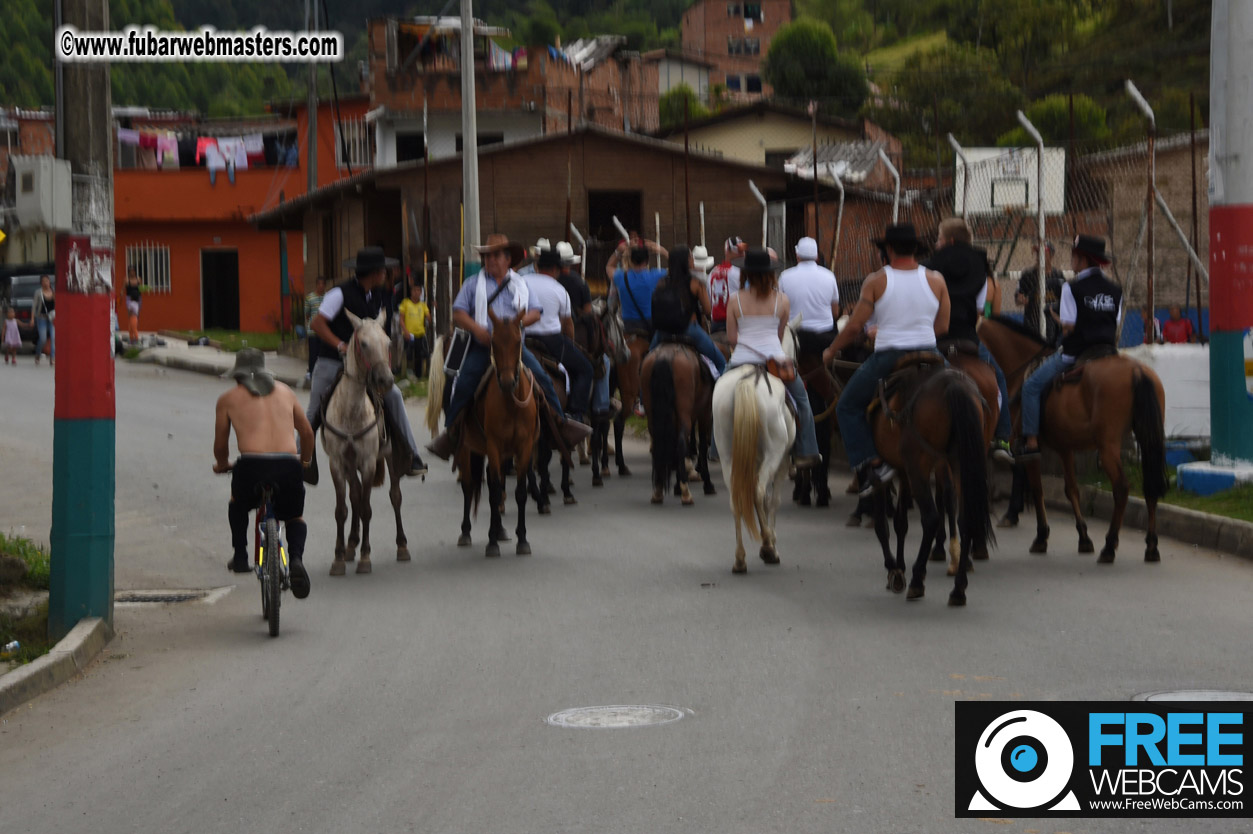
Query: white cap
[{"x": 807, "y": 249}]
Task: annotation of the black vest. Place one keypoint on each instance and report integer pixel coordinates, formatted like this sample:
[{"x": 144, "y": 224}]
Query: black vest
[
  {"x": 356, "y": 302},
  {"x": 1097, "y": 301},
  {"x": 965, "y": 270}
]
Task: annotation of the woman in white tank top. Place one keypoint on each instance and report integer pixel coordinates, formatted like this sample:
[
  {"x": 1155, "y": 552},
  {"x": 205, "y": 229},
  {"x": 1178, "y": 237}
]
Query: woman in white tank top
[{"x": 756, "y": 317}]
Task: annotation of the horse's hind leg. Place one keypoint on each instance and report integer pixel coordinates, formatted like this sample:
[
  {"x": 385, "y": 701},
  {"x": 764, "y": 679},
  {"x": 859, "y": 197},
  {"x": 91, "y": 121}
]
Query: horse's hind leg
[
  {"x": 942, "y": 488},
  {"x": 702, "y": 458},
  {"x": 354, "y": 502},
  {"x": 467, "y": 492},
  {"x": 879, "y": 501},
  {"x": 900, "y": 525},
  {"x": 596, "y": 444},
  {"x": 618, "y": 425},
  {"x": 364, "y": 565},
  {"x": 930, "y": 518},
  {"x": 567, "y": 494},
  {"x": 402, "y": 543},
  {"x": 341, "y": 515},
  {"x": 1072, "y": 493},
  {"x": 1111, "y": 462},
  {"x": 957, "y": 596},
  {"x": 495, "y": 492},
  {"x": 1041, "y": 543},
  {"x": 523, "y": 547}
]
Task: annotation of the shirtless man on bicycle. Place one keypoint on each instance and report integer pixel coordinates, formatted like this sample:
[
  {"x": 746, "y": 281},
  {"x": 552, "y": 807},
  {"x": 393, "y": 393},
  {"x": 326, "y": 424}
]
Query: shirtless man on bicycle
[{"x": 266, "y": 418}]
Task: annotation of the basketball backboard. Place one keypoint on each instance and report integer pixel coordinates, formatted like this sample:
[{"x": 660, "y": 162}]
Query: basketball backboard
[{"x": 1002, "y": 180}]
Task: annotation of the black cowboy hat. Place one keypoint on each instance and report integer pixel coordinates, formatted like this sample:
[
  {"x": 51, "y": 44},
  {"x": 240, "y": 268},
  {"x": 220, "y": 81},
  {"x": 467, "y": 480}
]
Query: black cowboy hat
[
  {"x": 549, "y": 259},
  {"x": 899, "y": 233},
  {"x": 757, "y": 259},
  {"x": 370, "y": 259},
  {"x": 1091, "y": 247}
]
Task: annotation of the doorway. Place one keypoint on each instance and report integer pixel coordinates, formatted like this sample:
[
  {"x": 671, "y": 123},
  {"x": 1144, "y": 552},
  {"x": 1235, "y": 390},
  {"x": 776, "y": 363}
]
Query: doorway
[
  {"x": 602, "y": 208},
  {"x": 219, "y": 289}
]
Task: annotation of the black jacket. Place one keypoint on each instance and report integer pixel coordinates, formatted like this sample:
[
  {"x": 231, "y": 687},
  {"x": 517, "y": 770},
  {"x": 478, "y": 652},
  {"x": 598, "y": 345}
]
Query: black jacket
[
  {"x": 965, "y": 270},
  {"x": 1097, "y": 302},
  {"x": 359, "y": 304}
]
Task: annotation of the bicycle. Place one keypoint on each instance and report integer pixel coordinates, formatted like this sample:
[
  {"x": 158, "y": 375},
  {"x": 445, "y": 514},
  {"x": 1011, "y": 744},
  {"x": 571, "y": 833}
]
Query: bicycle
[{"x": 271, "y": 572}]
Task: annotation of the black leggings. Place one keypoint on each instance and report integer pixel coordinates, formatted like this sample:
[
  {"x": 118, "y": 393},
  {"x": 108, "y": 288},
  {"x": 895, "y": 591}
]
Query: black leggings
[{"x": 251, "y": 472}]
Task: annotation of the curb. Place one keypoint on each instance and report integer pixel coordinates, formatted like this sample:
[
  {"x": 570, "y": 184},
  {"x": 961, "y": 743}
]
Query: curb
[
  {"x": 208, "y": 368},
  {"x": 67, "y": 659}
]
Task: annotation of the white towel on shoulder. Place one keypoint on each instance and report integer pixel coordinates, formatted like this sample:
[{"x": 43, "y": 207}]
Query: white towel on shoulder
[{"x": 521, "y": 296}]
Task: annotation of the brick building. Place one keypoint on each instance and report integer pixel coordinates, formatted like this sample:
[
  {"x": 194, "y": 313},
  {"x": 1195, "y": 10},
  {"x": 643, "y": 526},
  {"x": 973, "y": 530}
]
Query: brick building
[{"x": 734, "y": 37}]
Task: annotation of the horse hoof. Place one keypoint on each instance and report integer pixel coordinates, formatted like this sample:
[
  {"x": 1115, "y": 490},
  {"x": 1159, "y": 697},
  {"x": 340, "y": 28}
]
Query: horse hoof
[
  {"x": 493, "y": 551},
  {"x": 569, "y": 500},
  {"x": 1106, "y": 557},
  {"x": 350, "y": 555},
  {"x": 938, "y": 555},
  {"x": 956, "y": 599},
  {"x": 597, "y": 481},
  {"x": 624, "y": 471},
  {"x": 1152, "y": 555},
  {"x": 550, "y": 489},
  {"x": 950, "y": 571},
  {"x": 463, "y": 540},
  {"x": 896, "y": 581},
  {"x": 337, "y": 567},
  {"x": 739, "y": 569},
  {"x": 823, "y": 500},
  {"x": 1086, "y": 546},
  {"x": 545, "y": 509},
  {"x": 1039, "y": 546},
  {"x": 915, "y": 593},
  {"x": 402, "y": 554},
  {"x": 980, "y": 555},
  {"x": 687, "y": 501},
  {"x": 364, "y": 566},
  {"x": 523, "y": 549},
  {"x": 710, "y": 489},
  {"x": 769, "y": 556},
  {"x": 658, "y": 497},
  {"x": 804, "y": 500}
]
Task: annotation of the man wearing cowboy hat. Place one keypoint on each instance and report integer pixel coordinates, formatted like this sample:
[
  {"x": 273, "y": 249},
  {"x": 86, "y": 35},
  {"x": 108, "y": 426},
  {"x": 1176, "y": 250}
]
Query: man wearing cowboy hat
[
  {"x": 541, "y": 245},
  {"x": 910, "y": 305},
  {"x": 555, "y": 329},
  {"x": 498, "y": 288},
  {"x": 1090, "y": 310},
  {"x": 266, "y": 417},
  {"x": 362, "y": 296},
  {"x": 580, "y": 295}
]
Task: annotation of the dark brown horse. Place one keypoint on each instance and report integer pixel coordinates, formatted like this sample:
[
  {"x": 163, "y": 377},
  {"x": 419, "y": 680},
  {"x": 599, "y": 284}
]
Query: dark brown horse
[
  {"x": 503, "y": 425},
  {"x": 626, "y": 377},
  {"x": 678, "y": 400},
  {"x": 1112, "y": 396}
]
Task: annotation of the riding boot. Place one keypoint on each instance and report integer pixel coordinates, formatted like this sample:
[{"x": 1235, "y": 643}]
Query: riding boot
[
  {"x": 445, "y": 446},
  {"x": 573, "y": 432}
]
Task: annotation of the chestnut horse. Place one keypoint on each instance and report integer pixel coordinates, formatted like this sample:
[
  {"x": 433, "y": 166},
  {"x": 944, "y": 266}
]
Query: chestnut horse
[
  {"x": 677, "y": 399},
  {"x": 1113, "y": 395},
  {"x": 503, "y": 424}
]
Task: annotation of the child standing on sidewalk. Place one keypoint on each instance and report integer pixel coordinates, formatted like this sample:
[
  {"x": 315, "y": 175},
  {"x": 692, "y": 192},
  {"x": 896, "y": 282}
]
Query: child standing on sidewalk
[{"x": 12, "y": 338}]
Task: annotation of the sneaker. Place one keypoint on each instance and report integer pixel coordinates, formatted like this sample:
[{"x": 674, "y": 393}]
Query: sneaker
[
  {"x": 239, "y": 564},
  {"x": 1000, "y": 452},
  {"x": 639, "y": 408},
  {"x": 299, "y": 578},
  {"x": 873, "y": 477}
]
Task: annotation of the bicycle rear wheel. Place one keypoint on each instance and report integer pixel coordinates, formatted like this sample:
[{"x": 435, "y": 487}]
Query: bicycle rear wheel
[{"x": 273, "y": 574}]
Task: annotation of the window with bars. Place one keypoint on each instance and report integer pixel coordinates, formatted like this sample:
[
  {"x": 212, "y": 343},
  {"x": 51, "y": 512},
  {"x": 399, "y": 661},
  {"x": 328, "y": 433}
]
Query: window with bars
[
  {"x": 360, "y": 143},
  {"x": 151, "y": 263}
]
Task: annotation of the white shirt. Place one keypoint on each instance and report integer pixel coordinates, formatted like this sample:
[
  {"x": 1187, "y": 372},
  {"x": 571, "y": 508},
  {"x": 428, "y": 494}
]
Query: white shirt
[
  {"x": 332, "y": 303},
  {"x": 906, "y": 311},
  {"x": 553, "y": 301},
  {"x": 812, "y": 290}
]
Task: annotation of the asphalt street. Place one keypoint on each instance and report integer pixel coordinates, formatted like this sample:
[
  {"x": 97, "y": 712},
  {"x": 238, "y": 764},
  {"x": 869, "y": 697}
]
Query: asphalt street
[{"x": 415, "y": 698}]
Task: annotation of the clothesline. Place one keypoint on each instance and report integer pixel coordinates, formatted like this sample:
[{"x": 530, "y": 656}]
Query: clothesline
[{"x": 169, "y": 150}]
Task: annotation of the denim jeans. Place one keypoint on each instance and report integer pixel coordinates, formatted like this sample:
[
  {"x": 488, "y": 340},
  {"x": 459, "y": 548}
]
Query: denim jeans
[
  {"x": 47, "y": 330},
  {"x": 1004, "y": 428},
  {"x": 477, "y": 362},
  {"x": 855, "y": 399},
  {"x": 1033, "y": 391},
  {"x": 600, "y": 390},
  {"x": 700, "y": 339}
]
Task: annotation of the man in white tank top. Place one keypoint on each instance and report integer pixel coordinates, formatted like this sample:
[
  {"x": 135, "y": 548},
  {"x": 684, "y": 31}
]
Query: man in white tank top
[{"x": 910, "y": 306}]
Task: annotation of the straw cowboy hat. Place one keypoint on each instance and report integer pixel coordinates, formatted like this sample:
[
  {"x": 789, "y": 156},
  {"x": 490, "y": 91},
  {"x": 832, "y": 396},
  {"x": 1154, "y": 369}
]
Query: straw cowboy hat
[
  {"x": 250, "y": 372},
  {"x": 566, "y": 251},
  {"x": 502, "y": 243},
  {"x": 370, "y": 259},
  {"x": 700, "y": 257}
]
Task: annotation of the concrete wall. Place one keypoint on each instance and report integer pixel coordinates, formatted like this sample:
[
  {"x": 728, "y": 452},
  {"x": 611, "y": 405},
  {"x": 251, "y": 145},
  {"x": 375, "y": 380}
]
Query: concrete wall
[
  {"x": 749, "y": 138},
  {"x": 446, "y": 127}
]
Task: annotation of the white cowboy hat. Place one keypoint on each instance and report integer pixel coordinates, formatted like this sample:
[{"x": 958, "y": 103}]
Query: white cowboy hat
[
  {"x": 541, "y": 245},
  {"x": 566, "y": 251},
  {"x": 701, "y": 258}
]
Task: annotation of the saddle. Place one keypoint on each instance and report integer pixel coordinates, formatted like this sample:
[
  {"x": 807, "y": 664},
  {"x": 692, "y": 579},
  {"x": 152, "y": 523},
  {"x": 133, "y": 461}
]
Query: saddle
[
  {"x": 952, "y": 347},
  {"x": 906, "y": 377},
  {"x": 546, "y": 359},
  {"x": 682, "y": 341},
  {"x": 1088, "y": 356},
  {"x": 763, "y": 371}
]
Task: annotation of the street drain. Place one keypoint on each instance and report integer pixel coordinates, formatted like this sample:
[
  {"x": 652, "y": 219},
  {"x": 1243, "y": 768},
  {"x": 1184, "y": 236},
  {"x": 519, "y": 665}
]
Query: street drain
[
  {"x": 1194, "y": 695},
  {"x": 616, "y": 717},
  {"x": 168, "y": 596}
]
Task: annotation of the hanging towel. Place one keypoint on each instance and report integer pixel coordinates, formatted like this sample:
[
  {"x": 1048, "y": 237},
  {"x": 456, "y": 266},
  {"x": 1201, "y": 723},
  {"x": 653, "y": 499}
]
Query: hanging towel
[
  {"x": 207, "y": 149},
  {"x": 254, "y": 149},
  {"x": 148, "y": 140},
  {"x": 127, "y": 137},
  {"x": 232, "y": 148},
  {"x": 146, "y": 158},
  {"x": 167, "y": 151}
]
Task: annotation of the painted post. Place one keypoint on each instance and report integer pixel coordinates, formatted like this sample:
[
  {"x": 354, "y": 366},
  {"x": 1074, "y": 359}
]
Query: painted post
[
  {"x": 1231, "y": 232},
  {"x": 1041, "y": 275},
  {"x": 84, "y": 427},
  {"x": 469, "y": 146}
]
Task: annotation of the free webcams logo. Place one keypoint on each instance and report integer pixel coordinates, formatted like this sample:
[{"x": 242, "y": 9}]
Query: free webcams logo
[{"x": 1100, "y": 759}]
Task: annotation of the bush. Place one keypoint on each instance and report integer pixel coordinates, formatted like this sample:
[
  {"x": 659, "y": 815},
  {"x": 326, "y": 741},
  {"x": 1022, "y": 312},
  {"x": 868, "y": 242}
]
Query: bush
[{"x": 38, "y": 565}]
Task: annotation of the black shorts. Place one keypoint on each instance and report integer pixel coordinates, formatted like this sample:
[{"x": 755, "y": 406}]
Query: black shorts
[{"x": 282, "y": 471}]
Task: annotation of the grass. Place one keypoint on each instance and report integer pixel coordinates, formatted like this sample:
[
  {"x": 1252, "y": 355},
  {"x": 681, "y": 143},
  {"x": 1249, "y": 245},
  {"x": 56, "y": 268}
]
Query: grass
[
  {"x": 32, "y": 631},
  {"x": 234, "y": 340},
  {"x": 1234, "y": 503},
  {"x": 38, "y": 574},
  {"x": 412, "y": 388},
  {"x": 892, "y": 58},
  {"x": 132, "y": 353}
]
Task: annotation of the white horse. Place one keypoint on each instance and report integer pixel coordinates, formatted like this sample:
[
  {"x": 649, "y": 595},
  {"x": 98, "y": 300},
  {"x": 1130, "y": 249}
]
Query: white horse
[
  {"x": 352, "y": 435},
  {"x": 754, "y": 427}
]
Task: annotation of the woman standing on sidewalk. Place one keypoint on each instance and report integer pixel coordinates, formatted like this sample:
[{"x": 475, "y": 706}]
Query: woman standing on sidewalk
[
  {"x": 133, "y": 289},
  {"x": 44, "y": 312}
]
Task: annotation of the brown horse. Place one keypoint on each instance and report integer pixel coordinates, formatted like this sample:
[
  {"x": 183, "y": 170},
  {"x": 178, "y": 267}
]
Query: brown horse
[
  {"x": 1113, "y": 395},
  {"x": 627, "y": 375},
  {"x": 677, "y": 399},
  {"x": 935, "y": 426},
  {"x": 503, "y": 424}
]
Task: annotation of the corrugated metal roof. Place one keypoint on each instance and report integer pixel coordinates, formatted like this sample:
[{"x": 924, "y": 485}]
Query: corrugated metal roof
[{"x": 852, "y": 162}]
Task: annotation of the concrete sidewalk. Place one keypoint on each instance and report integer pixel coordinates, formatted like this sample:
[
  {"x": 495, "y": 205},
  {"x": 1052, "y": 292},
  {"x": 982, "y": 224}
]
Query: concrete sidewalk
[{"x": 209, "y": 360}]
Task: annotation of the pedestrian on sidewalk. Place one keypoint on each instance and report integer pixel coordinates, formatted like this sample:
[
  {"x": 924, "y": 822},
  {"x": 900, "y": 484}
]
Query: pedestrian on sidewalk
[
  {"x": 313, "y": 301},
  {"x": 133, "y": 289},
  {"x": 415, "y": 315},
  {"x": 12, "y": 338},
  {"x": 44, "y": 311}
]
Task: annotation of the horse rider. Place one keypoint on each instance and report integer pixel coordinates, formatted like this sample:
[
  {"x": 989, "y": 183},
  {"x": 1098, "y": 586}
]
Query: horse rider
[
  {"x": 541, "y": 245},
  {"x": 363, "y": 296},
  {"x": 910, "y": 306},
  {"x": 972, "y": 290},
  {"x": 1090, "y": 311},
  {"x": 677, "y": 300},
  {"x": 724, "y": 280},
  {"x": 757, "y": 316},
  {"x": 581, "y": 304},
  {"x": 633, "y": 287},
  {"x": 555, "y": 330},
  {"x": 813, "y": 292},
  {"x": 266, "y": 417},
  {"x": 502, "y": 290}
]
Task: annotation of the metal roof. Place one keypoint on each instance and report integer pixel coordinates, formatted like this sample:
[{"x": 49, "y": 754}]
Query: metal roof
[{"x": 852, "y": 162}]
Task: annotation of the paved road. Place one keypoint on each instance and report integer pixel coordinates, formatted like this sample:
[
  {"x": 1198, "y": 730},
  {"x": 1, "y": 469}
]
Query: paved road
[{"x": 414, "y": 699}]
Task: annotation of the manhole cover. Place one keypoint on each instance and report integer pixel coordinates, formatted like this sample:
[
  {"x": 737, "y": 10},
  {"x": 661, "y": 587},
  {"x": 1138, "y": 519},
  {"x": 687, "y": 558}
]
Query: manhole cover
[
  {"x": 616, "y": 717},
  {"x": 169, "y": 595},
  {"x": 1194, "y": 695}
]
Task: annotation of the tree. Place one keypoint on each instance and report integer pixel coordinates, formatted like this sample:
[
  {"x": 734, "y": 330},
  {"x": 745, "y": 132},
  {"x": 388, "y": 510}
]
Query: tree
[
  {"x": 672, "y": 104},
  {"x": 803, "y": 63},
  {"x": 1051, "y": 116}
]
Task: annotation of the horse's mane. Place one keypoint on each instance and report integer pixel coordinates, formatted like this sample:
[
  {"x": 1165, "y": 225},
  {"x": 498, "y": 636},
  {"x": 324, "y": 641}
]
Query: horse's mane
[{"x": 1019, "y": 328}]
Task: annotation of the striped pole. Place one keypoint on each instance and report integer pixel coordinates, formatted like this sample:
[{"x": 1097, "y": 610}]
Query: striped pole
[{"x": 1231, "y": 233}]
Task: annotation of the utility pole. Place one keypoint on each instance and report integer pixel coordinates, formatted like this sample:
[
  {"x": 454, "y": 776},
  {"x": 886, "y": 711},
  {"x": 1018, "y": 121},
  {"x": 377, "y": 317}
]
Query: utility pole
[
  {"x": 311, "y": 16},
  {"x": 469, "y": 142},
  {"x": 84, "y": 433}
]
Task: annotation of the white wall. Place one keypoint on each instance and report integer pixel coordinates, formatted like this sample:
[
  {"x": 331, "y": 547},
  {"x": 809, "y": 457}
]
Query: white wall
[
  {"x": 672, "y": 73},
  {"x": 444, "y": 127},
  {"x": 1184, "y": 370}
]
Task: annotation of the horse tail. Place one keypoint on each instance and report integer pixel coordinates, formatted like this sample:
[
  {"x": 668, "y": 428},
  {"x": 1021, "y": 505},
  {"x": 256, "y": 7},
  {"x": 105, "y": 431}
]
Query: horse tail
[
  {"x": 1148, "y": 424},
  {"x": 745, "y": 429},
  {"x": 661, "y": 420},
  {"x": 435, "y": 387},
  {"x": 967, "y": 435}
]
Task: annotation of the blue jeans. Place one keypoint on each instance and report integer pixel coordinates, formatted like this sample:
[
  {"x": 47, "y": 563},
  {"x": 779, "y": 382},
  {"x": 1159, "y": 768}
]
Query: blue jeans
[
  {"x": 1033, "y": 391},
  {"x": 855, "y": 399},
  {"x": 600, "y": 390},
  {"x": 46, "y": 330},
  {"x": 1004, "y": 428},
  {"x": 700, "y": 339},
  {"x": 477, "y": 362}
]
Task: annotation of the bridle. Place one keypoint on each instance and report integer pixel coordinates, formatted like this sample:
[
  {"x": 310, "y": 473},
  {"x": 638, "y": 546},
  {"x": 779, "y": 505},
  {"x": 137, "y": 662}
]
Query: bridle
[{"x": 524, "y": 378}]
